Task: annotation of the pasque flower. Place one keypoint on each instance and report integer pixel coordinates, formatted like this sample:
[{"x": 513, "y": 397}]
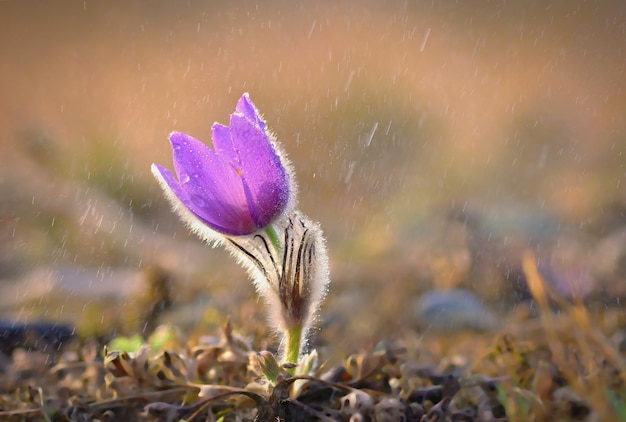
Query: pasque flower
[
  {"x": 237, "y": 188},
  {"x": 242, "y": 194}
]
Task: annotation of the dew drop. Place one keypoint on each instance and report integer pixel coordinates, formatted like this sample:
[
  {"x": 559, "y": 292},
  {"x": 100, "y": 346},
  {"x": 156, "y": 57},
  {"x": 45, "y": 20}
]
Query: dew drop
[
  {"x": 198, "y": 200},
  {"x": 184, "y": 178}
]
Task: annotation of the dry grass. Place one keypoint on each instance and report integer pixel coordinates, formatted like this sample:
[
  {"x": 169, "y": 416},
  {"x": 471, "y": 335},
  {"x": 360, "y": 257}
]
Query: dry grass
[{"x": 557, "y": 366}]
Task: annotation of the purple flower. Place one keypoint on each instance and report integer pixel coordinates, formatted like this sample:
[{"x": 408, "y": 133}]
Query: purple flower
[{"x": 236, "y": 188}]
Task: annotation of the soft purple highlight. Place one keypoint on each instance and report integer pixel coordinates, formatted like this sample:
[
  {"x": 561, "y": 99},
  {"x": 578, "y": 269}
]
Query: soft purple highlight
[{"x": 241, "y": 185}]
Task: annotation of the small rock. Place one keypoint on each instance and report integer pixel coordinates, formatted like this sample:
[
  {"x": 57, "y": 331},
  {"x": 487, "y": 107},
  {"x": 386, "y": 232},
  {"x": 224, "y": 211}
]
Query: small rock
[{"x": 453, "y": 310}]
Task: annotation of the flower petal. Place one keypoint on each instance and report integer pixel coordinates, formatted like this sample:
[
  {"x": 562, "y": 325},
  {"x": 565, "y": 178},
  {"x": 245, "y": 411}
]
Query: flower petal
[
  {"x": 246, "y": 107},
  {"x": 224, "y": 145},
  {"x": 266, "y": 183},
  {"x": 172, "y": 183},
  {"x": 210, "y": 186},
  {"x": 239, "y": 187}
]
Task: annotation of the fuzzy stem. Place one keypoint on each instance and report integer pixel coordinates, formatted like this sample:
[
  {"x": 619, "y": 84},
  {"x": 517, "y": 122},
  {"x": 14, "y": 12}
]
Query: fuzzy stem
[
  {"x": 292, "y": 347},
  {"x": 271, "y": 233}
]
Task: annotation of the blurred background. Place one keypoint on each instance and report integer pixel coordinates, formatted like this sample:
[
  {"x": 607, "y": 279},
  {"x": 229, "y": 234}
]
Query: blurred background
[{"x": 436, "y": 142}]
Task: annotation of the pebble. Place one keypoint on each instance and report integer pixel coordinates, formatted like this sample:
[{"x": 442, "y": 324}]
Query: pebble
[{"x": 453, "y": 310}]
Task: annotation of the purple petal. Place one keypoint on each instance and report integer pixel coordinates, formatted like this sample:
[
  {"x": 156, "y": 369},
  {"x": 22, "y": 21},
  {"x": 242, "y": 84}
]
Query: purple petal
[
  {"x": 224, "y": 145},
  {"x": 209, "y": 186},
  {"x": 266, "y": 183},
  {"x": 176, "y": 188},
  {"x": 246, "y": 107},
  {"x": 239, "y": 187}
]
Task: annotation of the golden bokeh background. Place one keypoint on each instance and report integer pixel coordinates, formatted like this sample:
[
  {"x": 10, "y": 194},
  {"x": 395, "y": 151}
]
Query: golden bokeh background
[{"x": 392, "y": 113}]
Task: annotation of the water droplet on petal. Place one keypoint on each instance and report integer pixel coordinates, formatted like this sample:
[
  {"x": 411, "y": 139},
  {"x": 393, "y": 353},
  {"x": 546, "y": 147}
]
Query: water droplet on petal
[
  {"x": 198, "y": 200},
  {"x": 177, "y": 147},
  {"x": 184, "y": 178}
]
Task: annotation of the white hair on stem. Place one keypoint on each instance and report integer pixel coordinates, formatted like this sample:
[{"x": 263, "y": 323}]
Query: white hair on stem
[{"x": 294, "y": 280}]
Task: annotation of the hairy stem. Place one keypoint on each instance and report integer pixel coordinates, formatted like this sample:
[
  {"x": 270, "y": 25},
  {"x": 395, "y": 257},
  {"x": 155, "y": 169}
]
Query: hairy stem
[{"x": 292, "y": 346}]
